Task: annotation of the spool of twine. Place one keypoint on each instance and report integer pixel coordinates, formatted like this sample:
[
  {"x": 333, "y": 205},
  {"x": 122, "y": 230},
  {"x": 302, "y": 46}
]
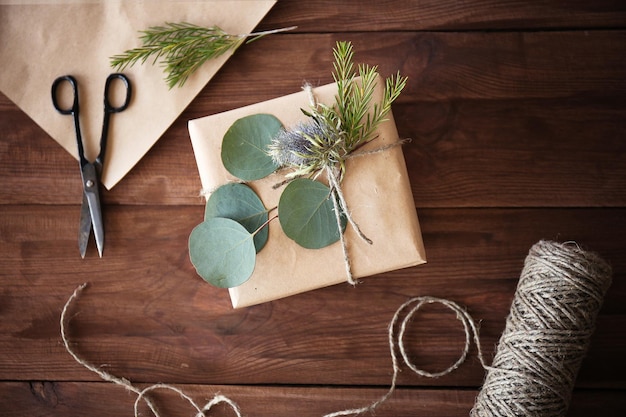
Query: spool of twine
[{"x": 547, "y": 333}]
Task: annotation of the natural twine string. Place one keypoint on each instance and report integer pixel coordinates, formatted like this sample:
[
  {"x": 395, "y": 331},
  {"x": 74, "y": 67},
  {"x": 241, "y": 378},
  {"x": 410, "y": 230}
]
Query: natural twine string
[
  {"x": 547, "y": 333},
  {"x": 141, "y": 393},
  {"x": 409, "y": 309},
  {"x": 335, "y": 184},
  {"x": 396, "y": 335},
  {"x": 552, "y": 318},
  {"x": 338, "y": 193}
]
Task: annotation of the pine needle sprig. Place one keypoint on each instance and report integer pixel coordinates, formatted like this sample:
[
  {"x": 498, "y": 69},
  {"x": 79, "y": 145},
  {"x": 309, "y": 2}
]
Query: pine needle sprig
[
  {"x": 331, "y": 133},
  {"x": 183, "y": 48},
  {"x": 354, "y": 98},
  {"x": 393, "y": 88}
]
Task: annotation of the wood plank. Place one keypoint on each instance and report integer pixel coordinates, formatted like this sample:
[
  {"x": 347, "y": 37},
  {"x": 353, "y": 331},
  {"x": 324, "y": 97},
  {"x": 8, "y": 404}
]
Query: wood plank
[
  {"x": 382, "y": 16},
  {"x": 72, "y": 399},
  {"x": 150, "y": 318},
  {"x": 516, "y": 153},
  {"x": 562, "y": 153},
  {"x": 69, "y": 399},
  {"x": 517, "y": 117},
  {"x": 482, "y": 65},
  {"x": 497, "y": 119}
]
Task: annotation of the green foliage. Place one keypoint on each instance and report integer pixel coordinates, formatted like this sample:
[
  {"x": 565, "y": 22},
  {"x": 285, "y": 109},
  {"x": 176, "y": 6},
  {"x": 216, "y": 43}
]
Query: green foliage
[
  {"x": 354, "y": 100},
  {"x": 245, "y": 144},
  {"x": 240, "y": 203},
  {"x": 222, "y": 251},
  {"x": 309, "y": 147},
  {"x": 331, "y": 133},
  {"x": 183, "y": 47},
  {"x": 223, "y": 248},
  {"x": 306, "y": 214}
]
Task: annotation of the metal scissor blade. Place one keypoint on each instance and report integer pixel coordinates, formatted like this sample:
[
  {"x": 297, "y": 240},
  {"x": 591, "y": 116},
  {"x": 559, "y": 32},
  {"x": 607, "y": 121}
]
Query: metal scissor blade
[
  {"x": 93, "y": 200},
  {"x": 90, "y": 192},
  {"x": 84, "y": 227}
]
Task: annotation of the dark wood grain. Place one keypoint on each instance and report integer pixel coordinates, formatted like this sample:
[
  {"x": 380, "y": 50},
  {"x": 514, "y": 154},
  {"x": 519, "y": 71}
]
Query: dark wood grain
[
  {"x": 517, "y": 116},
  {"x": 66, "y": 399},
  {"x": 389, "y": 15},
  {"x": 148, "y": 293},
  {"x": 472, "y": 99}
]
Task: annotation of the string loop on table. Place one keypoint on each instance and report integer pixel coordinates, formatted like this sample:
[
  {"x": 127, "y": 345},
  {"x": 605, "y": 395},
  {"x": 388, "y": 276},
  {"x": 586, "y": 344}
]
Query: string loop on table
[
  {"x": 409, "y": 309},
  {"x": 396, "y": 342}
]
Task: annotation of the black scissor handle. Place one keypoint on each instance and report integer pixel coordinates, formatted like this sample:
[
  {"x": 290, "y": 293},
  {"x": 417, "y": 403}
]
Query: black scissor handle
[
  {"x": 72, "y": 110},
  {"x": 108, "y": 107},
  {"x": 55, "y": 85}
]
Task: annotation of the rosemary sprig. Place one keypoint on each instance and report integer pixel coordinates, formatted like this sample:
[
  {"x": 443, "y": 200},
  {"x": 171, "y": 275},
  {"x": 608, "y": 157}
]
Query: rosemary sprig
[{"x": 183, "y": 47}]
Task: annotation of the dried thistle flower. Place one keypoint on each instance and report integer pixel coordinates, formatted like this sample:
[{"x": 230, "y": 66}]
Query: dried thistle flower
[{"x": 308, "y": 147}]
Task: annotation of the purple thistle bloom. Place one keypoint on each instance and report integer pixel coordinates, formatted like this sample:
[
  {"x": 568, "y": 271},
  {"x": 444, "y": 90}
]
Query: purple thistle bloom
[{"x": 309, "y": 146}]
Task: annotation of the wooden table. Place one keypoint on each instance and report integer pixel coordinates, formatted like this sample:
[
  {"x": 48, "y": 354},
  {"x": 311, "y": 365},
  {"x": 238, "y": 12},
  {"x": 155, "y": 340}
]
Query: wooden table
[{"x": 517, "y": 111}]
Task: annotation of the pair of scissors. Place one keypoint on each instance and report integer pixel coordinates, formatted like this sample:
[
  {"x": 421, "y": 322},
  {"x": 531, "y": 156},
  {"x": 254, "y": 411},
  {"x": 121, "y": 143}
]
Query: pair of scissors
[{"x": 91, "y": 212}]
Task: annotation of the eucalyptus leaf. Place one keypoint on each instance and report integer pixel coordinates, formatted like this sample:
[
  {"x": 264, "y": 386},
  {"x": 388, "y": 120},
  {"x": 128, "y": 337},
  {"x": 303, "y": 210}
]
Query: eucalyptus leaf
[
  {"x": 307, "y": 215},
  {"x": 222, "y": 251},
  {"x": 245, "y": 146},
  {"x": 240, "y": 203}
]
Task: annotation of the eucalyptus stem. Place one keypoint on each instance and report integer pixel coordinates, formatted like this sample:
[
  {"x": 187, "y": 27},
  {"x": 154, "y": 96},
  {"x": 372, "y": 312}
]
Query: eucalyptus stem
[
  {"x": 265, "y": 223},
  {"x": 183, "y": 48}
]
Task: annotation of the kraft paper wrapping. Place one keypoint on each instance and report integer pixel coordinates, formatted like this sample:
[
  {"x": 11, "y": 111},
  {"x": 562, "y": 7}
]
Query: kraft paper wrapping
[
  {"x": 378, "y": 194},
  {"x": 42, "y": 39}
]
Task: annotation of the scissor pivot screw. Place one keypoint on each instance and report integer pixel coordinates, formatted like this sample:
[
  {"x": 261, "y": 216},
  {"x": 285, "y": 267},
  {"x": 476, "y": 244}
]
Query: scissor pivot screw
[{"x": 89, "y": 183}]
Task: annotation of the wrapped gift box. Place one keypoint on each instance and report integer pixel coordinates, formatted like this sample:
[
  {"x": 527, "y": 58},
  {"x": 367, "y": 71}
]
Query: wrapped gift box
[{"x": 376, "y": 187}]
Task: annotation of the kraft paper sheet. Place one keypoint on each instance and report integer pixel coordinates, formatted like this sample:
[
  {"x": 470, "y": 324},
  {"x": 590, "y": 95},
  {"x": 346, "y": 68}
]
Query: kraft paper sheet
[
  {"x": 41, "y": 40},
  {"x": 376, "y": 188}
]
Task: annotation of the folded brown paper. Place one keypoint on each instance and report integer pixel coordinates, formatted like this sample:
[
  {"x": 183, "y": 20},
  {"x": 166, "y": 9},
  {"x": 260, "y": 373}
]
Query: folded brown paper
[
  {"x": 376, "y": 188},
  {"x": 41, "y": 40}
]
